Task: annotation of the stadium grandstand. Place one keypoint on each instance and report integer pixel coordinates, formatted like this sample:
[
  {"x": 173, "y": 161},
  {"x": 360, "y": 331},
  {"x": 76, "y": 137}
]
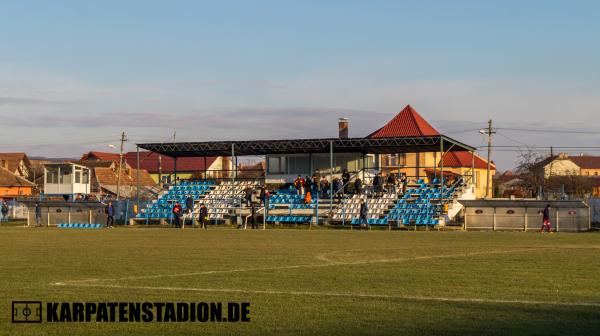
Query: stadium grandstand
[{"x": 407, "y": 148}]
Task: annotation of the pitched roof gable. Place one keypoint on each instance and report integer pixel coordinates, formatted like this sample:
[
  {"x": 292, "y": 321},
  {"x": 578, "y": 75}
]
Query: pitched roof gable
[
  {"x": 407, "y": 123},
  {"x": 465, "y": 159}
]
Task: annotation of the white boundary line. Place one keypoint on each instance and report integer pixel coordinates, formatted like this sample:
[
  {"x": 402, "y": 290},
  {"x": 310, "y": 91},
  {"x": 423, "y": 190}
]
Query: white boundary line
[
  {"x": 320, "y": 257},
  {"x": 350, "y": 295}
]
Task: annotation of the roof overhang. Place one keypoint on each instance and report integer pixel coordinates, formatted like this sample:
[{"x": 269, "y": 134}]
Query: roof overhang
[{"x": 306, "y": 146}]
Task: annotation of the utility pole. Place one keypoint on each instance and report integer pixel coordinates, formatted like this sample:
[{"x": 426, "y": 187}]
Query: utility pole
[
  {"x": 120, "y": 164},
  {"x": 489, "y": 131}
]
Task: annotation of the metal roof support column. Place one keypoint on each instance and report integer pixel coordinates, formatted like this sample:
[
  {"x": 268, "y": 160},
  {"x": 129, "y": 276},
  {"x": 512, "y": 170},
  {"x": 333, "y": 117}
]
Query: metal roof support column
[
  {"x": 137, "y": 194},
  {"x": 231, "y": 171},
  {"x": 473, "y": 168},
  {"x": 330, "y": 177},
  {"x": 175, "y": 170}
]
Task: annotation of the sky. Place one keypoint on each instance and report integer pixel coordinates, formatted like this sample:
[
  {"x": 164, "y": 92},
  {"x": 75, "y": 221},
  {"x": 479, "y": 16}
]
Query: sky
[{"x": 75, "y": 74}]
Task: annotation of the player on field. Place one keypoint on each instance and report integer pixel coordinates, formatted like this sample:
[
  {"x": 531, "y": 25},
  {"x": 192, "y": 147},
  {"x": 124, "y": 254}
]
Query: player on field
[{"x": 546, "y": 219}]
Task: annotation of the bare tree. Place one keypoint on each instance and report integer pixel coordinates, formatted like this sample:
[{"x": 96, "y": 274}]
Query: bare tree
[{"x": 530, "y": 171}]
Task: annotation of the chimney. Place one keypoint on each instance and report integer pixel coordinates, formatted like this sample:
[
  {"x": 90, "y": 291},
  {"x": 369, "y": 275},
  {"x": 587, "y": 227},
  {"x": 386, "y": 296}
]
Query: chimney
[
  {"x": 563, "y": 156},
  {"x": 343, "y": 128}
]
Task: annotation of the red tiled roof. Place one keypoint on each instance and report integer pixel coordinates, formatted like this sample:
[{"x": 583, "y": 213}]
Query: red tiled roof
[
  {"x": 13, "y": 160},
  {"x": 586, "y": 161},
  {"x": 9, "y": 179},
  {"x": 464, "y": 159},
  {"x": 108, "y": 176},
  {"x": 407, "y": 123},
  {"x": 149, "y": 162},
  {"x": 103, "y": 156}
]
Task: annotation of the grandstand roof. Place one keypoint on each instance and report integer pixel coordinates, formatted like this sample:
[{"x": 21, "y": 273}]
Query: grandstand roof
[
  {"x": 298, "y": 146},
  {"x": 149, "y": 162},
  {"x": 407, "y": 123}
]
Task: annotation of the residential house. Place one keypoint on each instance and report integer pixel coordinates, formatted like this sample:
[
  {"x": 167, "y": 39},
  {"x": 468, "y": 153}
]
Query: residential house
[
  {"x": 162, "y": 168},
  {"x": 16, "y": 163},
  {"x": 571, "y": 165},
  {"x": 13, "y": 185}
]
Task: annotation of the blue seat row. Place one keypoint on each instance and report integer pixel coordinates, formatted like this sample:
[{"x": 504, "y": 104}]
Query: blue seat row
[
  {"x": 289, "y": 219},
  {"x": 79, "y": 226},
  {"x": 370, "y": 221}
]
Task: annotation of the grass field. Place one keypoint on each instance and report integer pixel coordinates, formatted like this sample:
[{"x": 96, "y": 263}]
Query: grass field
[{"x": 312, "y": 282}]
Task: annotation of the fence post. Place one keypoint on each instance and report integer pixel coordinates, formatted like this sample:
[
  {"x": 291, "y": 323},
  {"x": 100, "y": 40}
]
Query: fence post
[
  {"x": 526, "y": 217},
  {"x": 90, "y": 216},
  {"x": 494, "y": 220},
  {"x": 557, "y": 211},
  {"x": 48, "y": 217},
  {"x": 69, "y": 216}
]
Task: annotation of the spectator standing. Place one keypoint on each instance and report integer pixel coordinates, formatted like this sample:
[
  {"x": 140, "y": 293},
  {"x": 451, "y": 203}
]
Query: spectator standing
[
  {"x": 324, "y": 186},
  {"x": 110, "y": 215},
  {"x": 38, "y": 214},
  {"x": 345, "y": 180},
  {"x": 307, "y": 184},
  {"x": 177, "y": 214},
  {"x": 391, "y": 182},
  {"x": 364, "y": 214},
  {"x": 203, "y": 215},
  {"x": 338, "y": 188},
  {"x": 248, "y": 195},
  {"x": 254, "y": 215},
  {"x": 316, "y": 184},
  {"x": 358, "y": 186},
  {"x": 404, "y": 182},
  {"x": 189, "y": 204},
  {"x": 299, "y": 184}
]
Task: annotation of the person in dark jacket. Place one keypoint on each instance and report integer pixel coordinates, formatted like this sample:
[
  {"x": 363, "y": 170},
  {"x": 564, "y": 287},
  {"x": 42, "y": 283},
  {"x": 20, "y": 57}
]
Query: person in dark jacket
[
  {"x": 364, "y": 214},
  {"x": 254, "y": 216},
  {"x": 546, "y": 219},
  {"x": 177, "y": 214},
  {"x": 38, "y": 214},
  {"x": 307, "y": 184},
  {"x": 110, "y": 215},
  {"x": 248, "y": 195},
  {"x": 391, "y": 183},
  {"x": 203, "y": 215},
  {"x": 377, "y": 183},
  {"x": 358, "y": 186},
  {"x": 189, "y": 204},
  {"x": 324, "y": 187},
  {"x": 345, "y": 180}
]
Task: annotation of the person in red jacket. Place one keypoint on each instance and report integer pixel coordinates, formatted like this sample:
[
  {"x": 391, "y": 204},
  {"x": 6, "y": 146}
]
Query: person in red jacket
[{"x": 177, "y": 214}]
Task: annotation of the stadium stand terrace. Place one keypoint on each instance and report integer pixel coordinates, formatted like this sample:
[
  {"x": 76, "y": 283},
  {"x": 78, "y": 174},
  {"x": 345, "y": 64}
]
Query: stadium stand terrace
[{"x": 429, "y": 197}]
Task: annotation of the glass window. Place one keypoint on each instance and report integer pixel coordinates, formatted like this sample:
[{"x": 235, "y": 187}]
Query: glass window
[
  {"x": 51, "y": 175},
  {"x": 77, "y": 177},
  {"x": 86, "y": 176},
  {"x": 277, "y": 165}
]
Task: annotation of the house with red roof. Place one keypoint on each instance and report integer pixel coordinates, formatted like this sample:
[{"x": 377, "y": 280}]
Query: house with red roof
[
  {"x": 428, "y": 165},
  {"x": 406, "y": 124},
  {"x": 162, "y": 168},
  {"x": 564, "y": 164}
]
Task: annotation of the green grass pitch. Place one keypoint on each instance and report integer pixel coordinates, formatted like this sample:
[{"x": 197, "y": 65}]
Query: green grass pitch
[{"x": 311, "y": 282}]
